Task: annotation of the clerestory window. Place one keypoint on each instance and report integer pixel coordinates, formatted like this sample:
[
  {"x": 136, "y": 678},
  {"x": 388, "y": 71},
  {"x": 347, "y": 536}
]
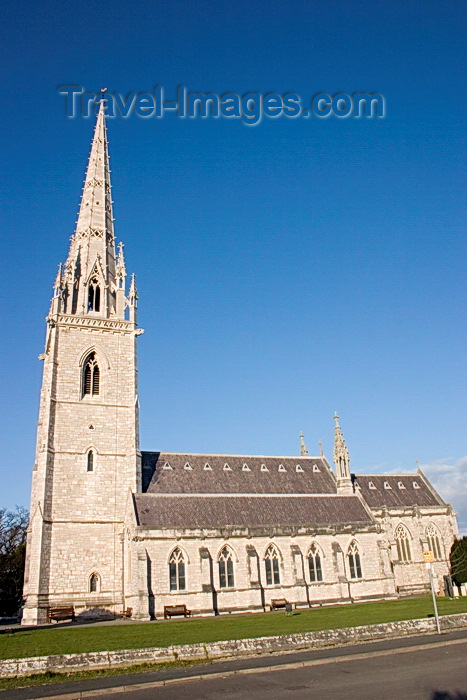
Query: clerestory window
[{"x": 91, "y": 376}]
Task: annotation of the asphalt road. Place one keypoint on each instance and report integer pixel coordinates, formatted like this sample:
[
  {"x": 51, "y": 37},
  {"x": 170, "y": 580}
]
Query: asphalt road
[{"x": 419, "y": 668}]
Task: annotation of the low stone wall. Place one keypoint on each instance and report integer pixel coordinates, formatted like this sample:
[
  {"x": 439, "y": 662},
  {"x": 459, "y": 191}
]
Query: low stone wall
[{"x": 230, "y": 649}]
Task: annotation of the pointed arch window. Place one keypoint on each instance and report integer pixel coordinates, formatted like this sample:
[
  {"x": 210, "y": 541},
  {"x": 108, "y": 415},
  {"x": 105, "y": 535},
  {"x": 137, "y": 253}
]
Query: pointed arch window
[
  {"x": 355, "y": 565},
  {"x": 90, "y": 461},
  {"x": 403, "y": 544},
  {"x": 91, "y": 376},
  {"x": 314, "y": 564},
  {"x": 226, "y": 571},
  {"x": 94, "y": 583},
  {"x": 177, "y": 570},
  {"x": 94, "y": 295},
  {"x": 433, "y": 541},
  {"x": 271, "y": 564}
]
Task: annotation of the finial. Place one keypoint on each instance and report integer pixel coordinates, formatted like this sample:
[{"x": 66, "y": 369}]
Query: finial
[
  {"x": 102, "y": 100},
  {"x": 320, "y": 443},
  {"x": 303, "y": 450},
  {"x": 133, "y": 292},
  {"x": 417, "y": 462},
  {"x": 58, "y": 280},
  {"x": 341, "y": 460}
]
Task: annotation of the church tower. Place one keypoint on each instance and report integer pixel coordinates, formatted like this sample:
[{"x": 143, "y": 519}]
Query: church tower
[{"x": 87, "y": 453}]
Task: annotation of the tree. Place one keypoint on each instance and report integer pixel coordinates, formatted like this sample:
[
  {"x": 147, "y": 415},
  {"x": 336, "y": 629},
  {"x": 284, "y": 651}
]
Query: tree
[
  {"x": 458, "y": 558},
  {"x": 13, "y": 526}
]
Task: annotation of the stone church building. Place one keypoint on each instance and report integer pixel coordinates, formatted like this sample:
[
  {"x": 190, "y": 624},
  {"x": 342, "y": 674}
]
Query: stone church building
[{"x": 114, "y": 528}]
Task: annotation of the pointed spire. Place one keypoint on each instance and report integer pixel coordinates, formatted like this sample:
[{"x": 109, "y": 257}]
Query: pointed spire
[
  {"x": 320, "y": 443},
  {"x": 91, "y": 274},
  {"x": 95, "y": 213},
  {"x": 303, "y": 449},
  {"x": 341, "y": 459}
]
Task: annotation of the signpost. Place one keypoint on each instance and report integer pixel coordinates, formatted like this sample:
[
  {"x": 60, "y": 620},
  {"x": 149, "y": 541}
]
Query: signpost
[{"x": 429, "y": 559}]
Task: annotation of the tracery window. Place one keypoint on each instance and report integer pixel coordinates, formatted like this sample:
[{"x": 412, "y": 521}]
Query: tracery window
[
  {"x": 403, "y": 544},
  {"x": 271, "y": 563},
  {"x": 91, "y": 376},
  {"x": 93, "y": 583},
  {"x": 90, "y": 461},
  {"x": 355, "y": 565},
  {"x": 94, "y": 295},
  {"x": 226, "y": 572},
  {"x": 432, "y": 538},
  {"x": 177, "y": 571},
  {"x": 314, "y": 564}
]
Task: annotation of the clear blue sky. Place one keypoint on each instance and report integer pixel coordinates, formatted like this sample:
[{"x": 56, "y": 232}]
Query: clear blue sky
[{"x": 286, "y": 270}]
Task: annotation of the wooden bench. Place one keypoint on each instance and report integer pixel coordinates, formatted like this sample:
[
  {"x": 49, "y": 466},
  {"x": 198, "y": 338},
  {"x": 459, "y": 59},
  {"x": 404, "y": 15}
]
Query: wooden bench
[
  {"x": 126, "y": 613},
  {"x": 171, "y": 610},
  {"x": 61, "y": 613},
  {"x": 279, "y": 603}
]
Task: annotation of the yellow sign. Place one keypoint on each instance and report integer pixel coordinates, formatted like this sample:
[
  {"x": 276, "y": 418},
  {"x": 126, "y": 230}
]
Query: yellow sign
[{"x": 428, "y": 557}]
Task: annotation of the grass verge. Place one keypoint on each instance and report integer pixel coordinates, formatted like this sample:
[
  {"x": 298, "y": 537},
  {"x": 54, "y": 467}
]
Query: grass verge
[
  {"x": 52, "y": 677},
  {"x": 72, "y": 639}
]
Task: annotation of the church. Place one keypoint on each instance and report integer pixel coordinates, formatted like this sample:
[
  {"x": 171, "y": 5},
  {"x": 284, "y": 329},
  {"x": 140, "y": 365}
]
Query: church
[{"x": 114, "y": 529}]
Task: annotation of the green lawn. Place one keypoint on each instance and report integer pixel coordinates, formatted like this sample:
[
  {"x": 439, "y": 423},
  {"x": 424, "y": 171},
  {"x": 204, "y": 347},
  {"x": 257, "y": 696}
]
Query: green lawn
[{"x": 74, "y": 639}]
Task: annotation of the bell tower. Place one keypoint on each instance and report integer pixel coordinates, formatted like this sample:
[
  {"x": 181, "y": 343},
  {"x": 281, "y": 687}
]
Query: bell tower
[{"x": 87, "y": 452}]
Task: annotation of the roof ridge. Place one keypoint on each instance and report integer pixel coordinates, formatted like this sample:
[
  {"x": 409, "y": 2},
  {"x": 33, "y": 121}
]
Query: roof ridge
[
  {"x": 222, "y": 454},
  {"x": 224, "y": 494},
  {"x": 386, "y": 476}
]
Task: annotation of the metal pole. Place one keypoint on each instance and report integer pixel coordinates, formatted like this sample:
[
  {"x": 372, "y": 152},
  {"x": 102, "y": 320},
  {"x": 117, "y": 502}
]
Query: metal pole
[{"x": 429, "y": 567}]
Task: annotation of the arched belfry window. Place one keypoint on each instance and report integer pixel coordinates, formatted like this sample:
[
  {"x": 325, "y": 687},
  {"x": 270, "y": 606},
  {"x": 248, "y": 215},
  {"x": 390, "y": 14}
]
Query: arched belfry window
[
  {"x": 353, "y": 556},
  {"x": 314, "y": 564},
  {"x": 433, "y": 542},
  {"x": 94, "y": 583},
  {"x": 403, "y": 544},
  {"x": 271, "y": 565},
  {"x": 91, "y": 376},
  {"x": 226, "y": 572},
  {"x": 177, "y": 570},
  {"x": 90, "y": 461},
  {"x": 94, "y": 295}
]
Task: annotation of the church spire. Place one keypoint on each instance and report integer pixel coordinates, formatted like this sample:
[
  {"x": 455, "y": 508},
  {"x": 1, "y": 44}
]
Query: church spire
[
  {"x": 92, "y": 280},
  {"x": 95, "y": 213},
  {"x": 341, "y": 460}
]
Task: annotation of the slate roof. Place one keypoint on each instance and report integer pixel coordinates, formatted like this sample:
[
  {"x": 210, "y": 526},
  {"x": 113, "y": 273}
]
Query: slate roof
[
  {"x": 198, "y": 473},
  {"x": 154, "y": 511},
  {"x": 404, "y": 490}
]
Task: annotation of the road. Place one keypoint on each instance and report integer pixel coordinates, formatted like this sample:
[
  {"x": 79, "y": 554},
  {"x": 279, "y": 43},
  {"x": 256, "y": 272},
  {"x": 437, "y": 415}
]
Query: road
[{"x": 422, "y": 668}]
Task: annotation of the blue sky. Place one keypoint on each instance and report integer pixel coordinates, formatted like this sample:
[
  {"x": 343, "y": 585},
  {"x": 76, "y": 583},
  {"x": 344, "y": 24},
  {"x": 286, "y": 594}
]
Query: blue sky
[{"x": 285, "y": 270}]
